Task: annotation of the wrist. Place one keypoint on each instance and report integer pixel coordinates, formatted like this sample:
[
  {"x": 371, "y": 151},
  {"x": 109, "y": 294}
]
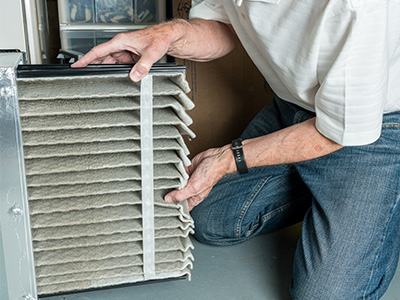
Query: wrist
[
  {"x": 228, "y": 160},
  {"x": 178, "y": 28}
]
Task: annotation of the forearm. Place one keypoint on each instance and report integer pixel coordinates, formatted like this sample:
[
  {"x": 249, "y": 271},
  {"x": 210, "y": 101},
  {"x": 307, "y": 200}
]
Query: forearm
[
  {"x": 201, "y": 40},
  {"x": 296, "y": 143}
]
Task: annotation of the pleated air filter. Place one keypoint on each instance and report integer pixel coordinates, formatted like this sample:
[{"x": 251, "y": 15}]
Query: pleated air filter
[{"x": 100, "y": 152}]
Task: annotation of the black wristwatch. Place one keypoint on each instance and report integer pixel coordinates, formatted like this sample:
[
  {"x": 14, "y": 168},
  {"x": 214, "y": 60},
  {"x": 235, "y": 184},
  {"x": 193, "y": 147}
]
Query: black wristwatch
[{"x": 237, "y": 149}]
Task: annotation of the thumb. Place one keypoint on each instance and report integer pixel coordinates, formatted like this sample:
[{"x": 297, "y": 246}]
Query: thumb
[
  {"x": 143, "y": 66},
  {"x": 179, "y": 195}
]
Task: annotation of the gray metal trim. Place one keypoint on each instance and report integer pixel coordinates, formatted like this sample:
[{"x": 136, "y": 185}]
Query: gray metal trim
[{"x": 16, "y": 241}]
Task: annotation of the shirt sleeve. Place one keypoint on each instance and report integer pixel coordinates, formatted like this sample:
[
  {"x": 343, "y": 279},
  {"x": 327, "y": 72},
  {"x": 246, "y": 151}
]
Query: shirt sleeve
[
  {"x": 353, "y": 73},
  {"x": 208, "y": 10}
]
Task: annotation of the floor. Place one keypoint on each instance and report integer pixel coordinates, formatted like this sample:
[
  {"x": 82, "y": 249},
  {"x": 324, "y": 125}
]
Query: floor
[{"x": 257, "y": 269}]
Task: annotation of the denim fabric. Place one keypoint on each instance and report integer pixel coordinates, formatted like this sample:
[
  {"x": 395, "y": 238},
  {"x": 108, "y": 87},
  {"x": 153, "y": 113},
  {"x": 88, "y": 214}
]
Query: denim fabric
[{"x": 348, "y": 202}]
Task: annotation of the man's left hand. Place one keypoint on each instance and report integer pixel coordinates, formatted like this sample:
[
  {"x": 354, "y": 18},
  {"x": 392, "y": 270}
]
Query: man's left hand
[{"x": 206, "y": 170}]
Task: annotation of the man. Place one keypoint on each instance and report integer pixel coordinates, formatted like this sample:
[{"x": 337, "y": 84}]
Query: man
[{"x": 325, "y": 152}]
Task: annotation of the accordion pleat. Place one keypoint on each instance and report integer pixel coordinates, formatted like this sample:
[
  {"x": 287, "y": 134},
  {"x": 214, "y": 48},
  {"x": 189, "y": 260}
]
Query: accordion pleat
[{"x": 81, "y": 139}]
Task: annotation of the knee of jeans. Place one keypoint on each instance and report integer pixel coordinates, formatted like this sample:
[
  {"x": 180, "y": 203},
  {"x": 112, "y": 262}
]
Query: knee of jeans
[
  {"x": 322, "y": 288},
  {"x": 211, "y": 231},
  {"x": 209, "y": 237},
  {"x": 331, "y": 282}
]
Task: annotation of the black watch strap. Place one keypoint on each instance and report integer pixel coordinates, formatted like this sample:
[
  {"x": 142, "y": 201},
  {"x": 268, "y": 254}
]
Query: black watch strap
[{"x": 237, "y": 149}]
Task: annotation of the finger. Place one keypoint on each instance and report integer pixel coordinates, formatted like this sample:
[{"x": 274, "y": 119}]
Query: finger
[
  {"x": 109, "y": 60},
  {"x": 194, "y": 201},
  {"x": 188, "y": 170},
  {"x": 191, "y": 205},
  {"x": 195, "y": 163},
  {"x": 126, "y": 57},
  {"x": 171, "y": 197},
  {"x": 180, "y": 195},
  {"x": 97, "y": 54}
]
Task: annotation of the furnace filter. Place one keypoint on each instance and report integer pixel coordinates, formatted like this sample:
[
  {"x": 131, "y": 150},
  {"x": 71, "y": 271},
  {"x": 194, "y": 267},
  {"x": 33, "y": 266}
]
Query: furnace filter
[{"x": 84, "y": 174}]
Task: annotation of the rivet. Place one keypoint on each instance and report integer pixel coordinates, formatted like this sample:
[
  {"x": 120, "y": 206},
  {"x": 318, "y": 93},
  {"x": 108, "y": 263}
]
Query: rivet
[{"x": 16, "y": 210}]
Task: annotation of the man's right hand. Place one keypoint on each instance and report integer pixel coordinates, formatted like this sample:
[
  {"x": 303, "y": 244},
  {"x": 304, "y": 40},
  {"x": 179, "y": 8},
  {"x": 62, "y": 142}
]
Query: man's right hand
[
  {"x": 198, "y": 40},
  {"x": 143, "y": 47}
]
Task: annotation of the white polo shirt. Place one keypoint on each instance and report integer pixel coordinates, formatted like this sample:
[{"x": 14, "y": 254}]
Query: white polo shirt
[{"x": 339, "y": 58}]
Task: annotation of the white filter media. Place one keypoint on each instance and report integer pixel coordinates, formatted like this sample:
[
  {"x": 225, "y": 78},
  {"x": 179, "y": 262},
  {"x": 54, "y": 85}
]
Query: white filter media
[{"x": 82, "y": 149}]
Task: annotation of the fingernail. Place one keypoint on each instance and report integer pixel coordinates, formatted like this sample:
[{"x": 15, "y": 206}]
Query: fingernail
[
  {"x": 168, "y": 199},
  {"x": 136, "y": 76}
]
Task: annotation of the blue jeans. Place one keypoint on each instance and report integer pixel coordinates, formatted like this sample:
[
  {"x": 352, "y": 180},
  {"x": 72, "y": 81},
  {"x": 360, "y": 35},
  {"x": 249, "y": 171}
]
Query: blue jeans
[{"x": 348, "y": 202}]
